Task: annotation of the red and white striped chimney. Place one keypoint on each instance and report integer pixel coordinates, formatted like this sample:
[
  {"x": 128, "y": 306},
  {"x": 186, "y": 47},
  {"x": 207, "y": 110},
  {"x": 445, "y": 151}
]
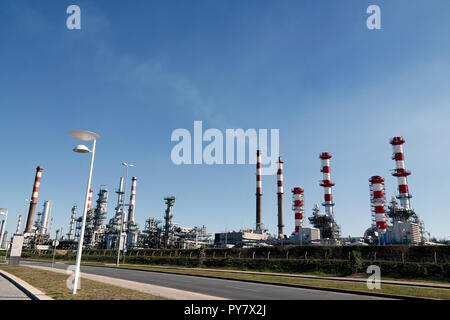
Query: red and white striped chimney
[
  {"x": 18, "y": 224},
  {"x": 326, "y": 183},
  {"x": 297, "y": 207},
  {"x": 378, "y": 200},
  {"x": 258, "y": 190},
  {"x": 400, "y": 172},
  {"x": 132, "y": 200},
  {"x": 33, "y": 202},
  {"x": 89, "y": 199},
  {"x": 280, "y": 197}
]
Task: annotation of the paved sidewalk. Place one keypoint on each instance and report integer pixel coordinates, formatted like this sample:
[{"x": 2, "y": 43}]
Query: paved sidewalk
[
  {"x": 8, "y": 291},
  {"x": 142, "y": 287}
]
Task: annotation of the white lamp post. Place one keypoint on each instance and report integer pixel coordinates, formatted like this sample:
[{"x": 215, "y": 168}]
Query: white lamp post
[
  {"x": 127, "y": 165},
  {"x": 83, "y": 136}
]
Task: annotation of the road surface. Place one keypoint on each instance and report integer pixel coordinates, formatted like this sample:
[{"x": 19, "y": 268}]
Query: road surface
[{"x": 230, "y": 289}]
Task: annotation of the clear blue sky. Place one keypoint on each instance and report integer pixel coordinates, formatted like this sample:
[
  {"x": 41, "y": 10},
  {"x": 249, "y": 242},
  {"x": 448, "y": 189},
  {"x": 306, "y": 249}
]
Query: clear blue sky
[{"x": 140, "y": 69}]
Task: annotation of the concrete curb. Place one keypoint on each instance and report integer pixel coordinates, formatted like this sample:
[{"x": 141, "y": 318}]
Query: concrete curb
[{"x": 29, "y": 290}]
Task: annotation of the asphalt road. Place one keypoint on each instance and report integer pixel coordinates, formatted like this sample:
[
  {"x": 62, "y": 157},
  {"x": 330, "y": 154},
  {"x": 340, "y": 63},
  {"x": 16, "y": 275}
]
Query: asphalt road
[{"x": 231, "y": 289}]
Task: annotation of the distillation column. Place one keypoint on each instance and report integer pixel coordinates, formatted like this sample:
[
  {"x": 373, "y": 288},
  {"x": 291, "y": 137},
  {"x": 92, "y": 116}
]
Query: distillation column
[
  {"x": 132, "y": 201},
  {"x": 45, "y": 216},
  {"x": 72, "y": 223}
]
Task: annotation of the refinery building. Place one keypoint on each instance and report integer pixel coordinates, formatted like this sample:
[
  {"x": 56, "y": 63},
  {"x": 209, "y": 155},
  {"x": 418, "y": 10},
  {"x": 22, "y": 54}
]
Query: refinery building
[{"x": 395, "y": 222}]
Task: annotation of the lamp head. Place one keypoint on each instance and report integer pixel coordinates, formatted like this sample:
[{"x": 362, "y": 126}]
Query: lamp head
[
  {"x": 127, "y": 164},
  {"x": 81, "y": 148}
]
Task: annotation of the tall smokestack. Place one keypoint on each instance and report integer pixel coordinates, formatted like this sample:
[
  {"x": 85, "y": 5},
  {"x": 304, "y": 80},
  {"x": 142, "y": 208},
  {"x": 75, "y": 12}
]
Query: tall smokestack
[
  {"x": 89, "y": 204},
  {"x": 326, "y": 183},
  {"x": 18, "y": 225},
  {"x": 132, "y": 200},
  {"x": 120, "y": 194},
  {"x": 34, "y": 196},
  {"x": 297, "y": 207},
  {"x": 280, "y": 197},
  {"x": 258, "y": 190},
  {"x": 400, "y": 172},
  {"x": 378, "y": 201}
]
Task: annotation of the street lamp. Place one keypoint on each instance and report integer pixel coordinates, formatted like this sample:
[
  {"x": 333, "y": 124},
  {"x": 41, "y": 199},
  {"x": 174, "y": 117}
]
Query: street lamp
[
  {"x": 127, "y": 165},
  {"x": 83, "y": 136}
]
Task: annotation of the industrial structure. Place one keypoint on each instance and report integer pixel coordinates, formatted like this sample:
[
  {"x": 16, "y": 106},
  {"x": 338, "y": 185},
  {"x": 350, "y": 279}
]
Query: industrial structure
[
  {"x": 154, "y": 235},
  {"x": 329, "y": 230},
  {"x": 71, "y": 232},
  {"x": 406, "y": 227},
  {"x": 33, "y": 201},
  {"x": 378, "y": 204},
  {"x": 391, "y": 223},
  {"x": 302, "y": 234}
]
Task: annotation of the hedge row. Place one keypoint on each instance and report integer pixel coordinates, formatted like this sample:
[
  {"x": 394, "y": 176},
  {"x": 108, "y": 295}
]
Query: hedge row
[
  {"x": 332, "y": 267},
  {"x": 398, "y": 253}
]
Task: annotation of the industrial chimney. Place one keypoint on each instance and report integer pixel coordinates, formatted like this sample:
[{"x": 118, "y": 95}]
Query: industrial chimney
[
  {"x": 132, "y": 201},
  {"x": 258, "y": 190},
  {"x": 89, "y": 204},
  {"x": 326, "y": 183},
  {"x": 33, "y": 202},
  {"x": 378, "y": 200},
  {"x": 297, "y": 207},
  {"x": 18, "y": 224},
  {"x": 400, "y": 172},
  {"x": 280, "y": 198}
]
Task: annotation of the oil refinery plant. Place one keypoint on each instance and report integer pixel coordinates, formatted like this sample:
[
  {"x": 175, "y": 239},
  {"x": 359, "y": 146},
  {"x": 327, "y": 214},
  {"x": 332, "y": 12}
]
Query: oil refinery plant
[{"x": 391, "y": 223}]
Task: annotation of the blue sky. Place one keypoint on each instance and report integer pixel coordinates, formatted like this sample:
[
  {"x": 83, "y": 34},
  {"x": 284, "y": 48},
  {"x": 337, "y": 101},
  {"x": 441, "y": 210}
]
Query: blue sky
[{"x": 138, "y": 70}]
